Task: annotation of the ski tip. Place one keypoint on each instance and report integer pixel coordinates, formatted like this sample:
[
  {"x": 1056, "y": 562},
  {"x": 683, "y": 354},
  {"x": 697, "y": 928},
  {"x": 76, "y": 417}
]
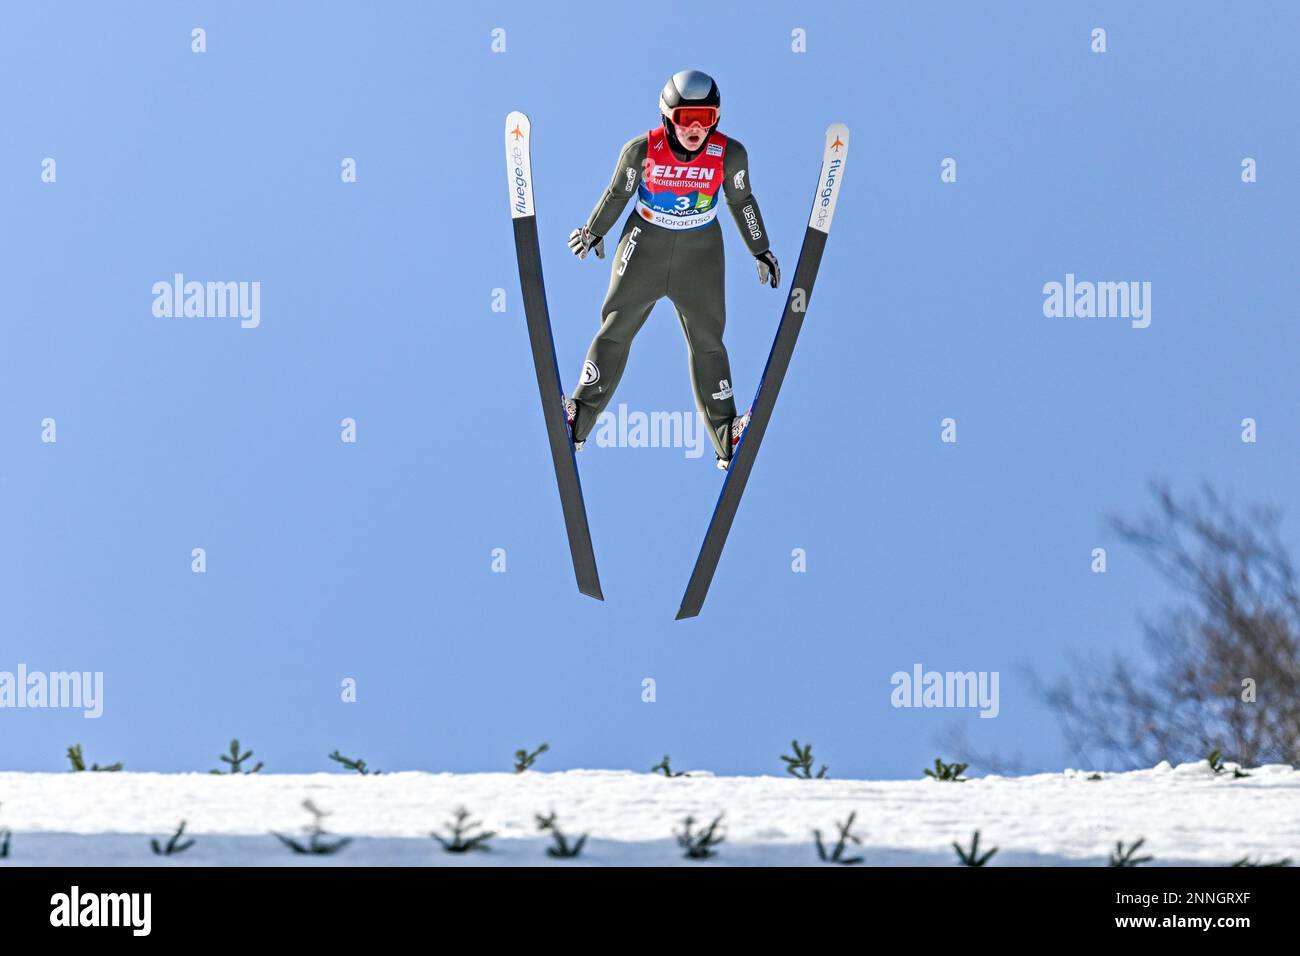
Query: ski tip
[
  {"x": 519, "y": 167},
  {"x": 837, "y": 142},
  {"x": 828, "y": 187},
  {"x": 518, "y": 132},
  {"x": 685, "y": 612},
  {"x": 594, "y": 592}
]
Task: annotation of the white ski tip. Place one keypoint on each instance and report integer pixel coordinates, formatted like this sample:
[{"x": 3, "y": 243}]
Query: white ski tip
[
  {"x": 828, "y": 187},
  {"x": 519, "y": 167}
]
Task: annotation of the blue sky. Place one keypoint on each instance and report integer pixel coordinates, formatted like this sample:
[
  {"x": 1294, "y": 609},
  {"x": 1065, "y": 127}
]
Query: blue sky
[{"x": 373, "y": 560}]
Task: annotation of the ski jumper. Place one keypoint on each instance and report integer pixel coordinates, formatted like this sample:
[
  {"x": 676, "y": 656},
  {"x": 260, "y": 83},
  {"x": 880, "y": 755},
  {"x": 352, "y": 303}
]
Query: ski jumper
[{"x": 671, "y": 245}]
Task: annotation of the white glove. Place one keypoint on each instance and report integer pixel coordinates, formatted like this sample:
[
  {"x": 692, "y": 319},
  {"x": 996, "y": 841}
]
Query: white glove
[
  {"x": 769, "y": 270},
  {"x": 581, "y": 241}
]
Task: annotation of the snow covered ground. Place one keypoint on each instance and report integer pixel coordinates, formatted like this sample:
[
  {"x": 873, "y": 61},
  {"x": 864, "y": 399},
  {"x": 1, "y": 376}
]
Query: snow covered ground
[{"x": 1187, "y": 814}]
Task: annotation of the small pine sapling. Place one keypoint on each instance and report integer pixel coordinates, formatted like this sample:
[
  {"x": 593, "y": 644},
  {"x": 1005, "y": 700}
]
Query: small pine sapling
[
  {"x": 1126, "y": 857},
  {"x": 524, "y": 760},
  {"x": 5, "y": 836},
  {"x": 663, "y": 768},
  {"x": 316, "y": 843},
  {"x": 562, "y": 850},
  {"x": 1215, "y": 760},
  {"x": 78, "y": 762},
  {"x": 1247, "y": 861},
  {"x": 173, "y": 845},
  {"x": 846, "y": 837},
  {"x": 358, "y": 765},
  {"x": 800, "y": 765},
  {"x": 236, "y": 760},
  {"x": 1094, "y": 776},
  {"x": 972, "y": 857},
  {"x": 700, "y": 845},
  {"x": 461, "y": 841},
  {"x": 947, "y": 771}
]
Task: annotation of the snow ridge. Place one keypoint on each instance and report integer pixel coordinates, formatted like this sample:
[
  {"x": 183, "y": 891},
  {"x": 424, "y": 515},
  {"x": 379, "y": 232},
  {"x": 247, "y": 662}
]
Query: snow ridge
[{"x": 1188, "y": 815}]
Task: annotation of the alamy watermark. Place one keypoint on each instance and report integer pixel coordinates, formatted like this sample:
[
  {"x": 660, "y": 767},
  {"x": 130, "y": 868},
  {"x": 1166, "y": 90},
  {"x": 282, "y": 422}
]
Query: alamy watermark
[
  {"x": 130, "y": 910},
  {"x": 208, "y": 300},
  {"x": 922, "y": 688},
  {"x": 1084, "y": 299},
  {"x": 80, "y": 690},
  {"x": 636, "y": 429}
]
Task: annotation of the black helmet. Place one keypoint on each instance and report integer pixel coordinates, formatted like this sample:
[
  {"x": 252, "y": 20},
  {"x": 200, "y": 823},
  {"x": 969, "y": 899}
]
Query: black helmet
[
  {"x": 689, "y": 88},
  {"x": 693, "y": 96}
]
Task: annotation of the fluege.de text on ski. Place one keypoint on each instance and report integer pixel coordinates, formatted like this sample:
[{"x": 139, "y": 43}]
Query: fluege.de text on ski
[{"x": 824, "y": 206}]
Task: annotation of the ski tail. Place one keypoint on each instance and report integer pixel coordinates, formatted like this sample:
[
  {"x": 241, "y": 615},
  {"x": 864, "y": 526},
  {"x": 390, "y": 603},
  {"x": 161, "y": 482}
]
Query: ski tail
[
  {"x": 518, "y": 136},
  {"x": 778, "y": 362}
]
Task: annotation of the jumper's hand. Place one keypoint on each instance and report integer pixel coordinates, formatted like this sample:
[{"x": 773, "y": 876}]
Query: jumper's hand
[
  {"x": 581, "y": 241},
  {"x": 769, "y": 270}
]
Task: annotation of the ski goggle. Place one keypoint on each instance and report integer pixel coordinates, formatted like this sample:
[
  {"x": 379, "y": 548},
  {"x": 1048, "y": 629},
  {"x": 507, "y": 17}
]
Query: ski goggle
[{"x": 706, "y": 116}]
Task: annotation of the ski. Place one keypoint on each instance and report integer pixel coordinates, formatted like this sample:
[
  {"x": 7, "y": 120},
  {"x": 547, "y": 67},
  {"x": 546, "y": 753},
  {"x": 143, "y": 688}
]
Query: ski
[
  {"x": 778, "y": 361},
  {"x": 523, "y": 216}
]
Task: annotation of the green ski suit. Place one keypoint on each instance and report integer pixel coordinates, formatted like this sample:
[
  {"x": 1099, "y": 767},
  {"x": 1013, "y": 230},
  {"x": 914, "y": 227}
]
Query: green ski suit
[{"x": 685, "y": 264}]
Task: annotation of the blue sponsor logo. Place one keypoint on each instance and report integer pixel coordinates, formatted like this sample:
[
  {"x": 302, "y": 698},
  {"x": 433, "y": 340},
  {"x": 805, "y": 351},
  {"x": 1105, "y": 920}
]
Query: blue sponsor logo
[{"x": 669, "y": 202}]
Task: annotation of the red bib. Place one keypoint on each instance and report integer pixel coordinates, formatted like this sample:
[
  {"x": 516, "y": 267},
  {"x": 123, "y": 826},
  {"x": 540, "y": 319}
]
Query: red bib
[{"x": 679, "y": 195}]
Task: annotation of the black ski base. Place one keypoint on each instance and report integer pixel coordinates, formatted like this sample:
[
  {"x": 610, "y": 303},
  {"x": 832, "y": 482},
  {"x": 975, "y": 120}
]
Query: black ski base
[
  {"x": 742, "y": 460},
  {"x": 549, "y": 388}
]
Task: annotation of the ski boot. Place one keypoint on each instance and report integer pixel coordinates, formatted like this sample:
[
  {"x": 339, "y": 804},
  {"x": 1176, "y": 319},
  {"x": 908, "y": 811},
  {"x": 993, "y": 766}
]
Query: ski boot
[
  {"x": 738, "y": 426},
  {"x": 571, "y": 416}
]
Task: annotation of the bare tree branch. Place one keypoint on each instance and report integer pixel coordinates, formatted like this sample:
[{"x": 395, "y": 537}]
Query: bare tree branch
[{"x": 1238, "y": 620}]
